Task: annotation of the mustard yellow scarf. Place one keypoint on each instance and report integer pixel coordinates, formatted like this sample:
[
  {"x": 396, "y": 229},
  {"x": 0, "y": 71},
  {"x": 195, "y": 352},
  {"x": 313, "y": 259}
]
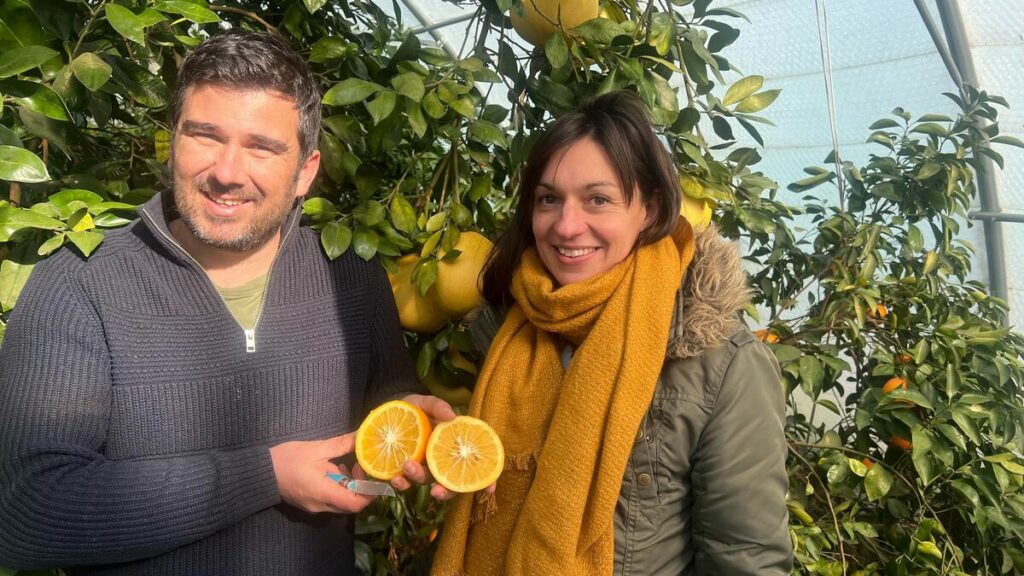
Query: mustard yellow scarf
[{"x": 567, "y": 433}]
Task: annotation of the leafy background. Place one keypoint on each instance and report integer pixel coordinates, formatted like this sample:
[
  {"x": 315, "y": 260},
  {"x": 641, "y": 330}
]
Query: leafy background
[{"x": 421, "y": 146}]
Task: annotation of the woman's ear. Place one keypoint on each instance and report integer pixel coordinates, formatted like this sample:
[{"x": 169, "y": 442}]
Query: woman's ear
[{"x": 651, "y": 209}]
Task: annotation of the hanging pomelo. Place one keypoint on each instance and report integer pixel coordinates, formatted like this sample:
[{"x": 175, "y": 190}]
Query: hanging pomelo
[
  {"x": 457, "y": 288},
  {"x": 416, "y": 312},
  {"x": 541, "y": 17}
]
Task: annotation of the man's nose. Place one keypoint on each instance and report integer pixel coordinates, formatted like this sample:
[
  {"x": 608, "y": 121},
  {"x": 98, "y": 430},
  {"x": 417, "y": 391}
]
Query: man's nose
[
  {"x": 229, "y": 167},
  {"x": 571, "y": 220}
]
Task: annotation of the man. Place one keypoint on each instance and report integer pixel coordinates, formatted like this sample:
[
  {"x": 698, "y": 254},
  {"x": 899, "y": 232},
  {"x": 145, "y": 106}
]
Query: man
[{"x": 172, "y": 404}]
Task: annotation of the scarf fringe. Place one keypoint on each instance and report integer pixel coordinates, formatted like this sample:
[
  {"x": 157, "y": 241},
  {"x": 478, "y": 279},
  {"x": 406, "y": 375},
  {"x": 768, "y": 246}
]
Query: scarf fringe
[
  {"x": 485, "y": 506},
  {"x": 521, "y": 462}
]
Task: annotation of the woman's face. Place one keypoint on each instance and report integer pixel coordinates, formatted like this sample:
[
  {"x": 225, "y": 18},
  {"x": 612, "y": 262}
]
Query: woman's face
[{"x": 581, "y": 221}]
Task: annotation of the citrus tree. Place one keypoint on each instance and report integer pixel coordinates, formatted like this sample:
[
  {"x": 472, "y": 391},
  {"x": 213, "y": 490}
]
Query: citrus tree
[{"x": 421, "y": 150}]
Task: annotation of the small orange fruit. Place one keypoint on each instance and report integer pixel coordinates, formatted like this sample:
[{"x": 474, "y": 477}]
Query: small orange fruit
[
  {"x": 869, "y": 463},
  {"x": 904, "y": 358},
  {"x": 894, "y": 383},
  {"x": 880, "y": 310},
  {"x": 465, "y": 454},
  {"x": 900, "y": 442},
  {"x": 767, "y": 335},
  {"x": 392, "y": 434}
]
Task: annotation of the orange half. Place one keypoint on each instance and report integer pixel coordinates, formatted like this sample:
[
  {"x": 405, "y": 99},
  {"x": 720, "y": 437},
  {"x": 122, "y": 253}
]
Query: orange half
[
  {"x": 392, "y": 434},
  {"x": 465, "y": 454}
]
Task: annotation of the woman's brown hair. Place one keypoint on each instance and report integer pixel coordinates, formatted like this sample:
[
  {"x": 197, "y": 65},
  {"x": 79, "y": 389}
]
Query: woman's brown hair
[{"x": 619, "y": 122}]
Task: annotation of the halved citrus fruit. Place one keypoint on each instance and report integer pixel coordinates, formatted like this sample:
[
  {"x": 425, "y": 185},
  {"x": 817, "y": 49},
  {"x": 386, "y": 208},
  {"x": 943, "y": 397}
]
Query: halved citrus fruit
[
  {"x": 392, "y": 434},
  {"x": 465, "y": 454}
]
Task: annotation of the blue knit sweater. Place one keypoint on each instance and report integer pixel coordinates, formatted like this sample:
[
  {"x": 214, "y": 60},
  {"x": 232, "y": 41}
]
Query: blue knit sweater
[{"x": 135, "y": 426}]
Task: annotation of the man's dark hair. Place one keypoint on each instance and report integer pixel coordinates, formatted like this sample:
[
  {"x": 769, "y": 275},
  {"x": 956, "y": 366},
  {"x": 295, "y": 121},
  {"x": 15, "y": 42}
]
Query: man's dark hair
[
  {"x": 618, "y": 122},
  {"x": 254, "y": 61}
]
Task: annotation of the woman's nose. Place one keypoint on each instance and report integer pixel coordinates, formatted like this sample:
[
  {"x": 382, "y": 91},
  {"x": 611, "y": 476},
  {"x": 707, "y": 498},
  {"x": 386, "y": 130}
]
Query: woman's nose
[{"x": 571, "y": 221}]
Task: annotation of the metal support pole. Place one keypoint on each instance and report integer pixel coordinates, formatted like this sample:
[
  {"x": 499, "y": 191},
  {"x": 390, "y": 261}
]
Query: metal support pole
[{"x": 958, "y": 51}]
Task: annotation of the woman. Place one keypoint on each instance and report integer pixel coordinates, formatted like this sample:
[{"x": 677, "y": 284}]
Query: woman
[{"x": 643, "y": 422}]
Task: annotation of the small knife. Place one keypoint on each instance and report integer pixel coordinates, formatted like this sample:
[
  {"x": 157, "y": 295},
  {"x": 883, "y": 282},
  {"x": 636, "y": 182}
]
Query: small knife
[{"x": 365, "y": 487}]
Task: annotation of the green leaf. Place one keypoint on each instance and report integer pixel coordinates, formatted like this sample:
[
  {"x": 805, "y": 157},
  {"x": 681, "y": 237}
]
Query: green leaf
[
  {"x": 433, "y": 106},
  {"x": 382, "y": 106},
  {"x": 928, "y": 547},
  {"x": 18, "y": 60},
  {"x": 13, "y": 276},
  {"x": 20, "y": 165},
  {"x": 86, "y": 241},
  {"x": 350, "y": 91},
  {"x": 147, "y": 88},
  {"x": 928, "y": 170},
  {"x": 410, "y": 85},
  {"x": 45, "y": 101},
  {"x": 369, "y": 213},
  {"x": 365, "y": 243},
  {"x": 931, "y": 128},
  {"x": 810, "y": 182},
  {"x": 418, "y": 123},
  {"x": 335, "y": 238},
  {"x": 314, "y": 5},
  {"x": 8, "y": 137},
  {"x": 1008, "y": 140},
  {"x": 884, "y": 123},
  {"x": 556, "y": 50},
  {"x": 52, "y": 244},
  {"x": 811, "y": 375},
  {"x": 91, "y": 71},
  {"x": 130, "y": 25},
  {"x": 877, "y": 482},
  {"x": 465, "y": 107},
  {"x": 598, "y": 30},
  {"x": 757, "y": 102},
  {"x": 329, "y": 48},
  {"x": 489, "y": 133},
  {"x": 192, "y": 11},
  {"x": 402, "y": 214},
  {"x": 742, "y": 89},
  {"x": 857, "y": 467},
  {"x": 64, "y": 198}
]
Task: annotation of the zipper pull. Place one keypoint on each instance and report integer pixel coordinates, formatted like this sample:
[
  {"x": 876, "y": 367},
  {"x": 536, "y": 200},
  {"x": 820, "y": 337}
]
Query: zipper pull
[{"x": 250, "y": 340}]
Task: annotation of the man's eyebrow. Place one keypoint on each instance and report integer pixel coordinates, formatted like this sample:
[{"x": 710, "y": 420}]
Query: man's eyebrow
[
  {"x": 193, "y": 126},
  {"x": 273, "y": 144}
]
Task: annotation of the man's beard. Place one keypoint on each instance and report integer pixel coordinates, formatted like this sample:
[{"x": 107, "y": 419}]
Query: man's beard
[{"x": 265, "y": 222}]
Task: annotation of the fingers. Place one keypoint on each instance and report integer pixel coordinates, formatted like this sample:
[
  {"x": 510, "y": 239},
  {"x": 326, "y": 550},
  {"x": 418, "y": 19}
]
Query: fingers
[
  {"x": 441, "y": 493},
  {"x": 437, "y": 409}
]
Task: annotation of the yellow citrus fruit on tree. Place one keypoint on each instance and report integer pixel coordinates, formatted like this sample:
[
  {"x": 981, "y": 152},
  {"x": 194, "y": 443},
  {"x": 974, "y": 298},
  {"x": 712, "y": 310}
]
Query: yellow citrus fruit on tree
[
  {"x": 457, "y": 289},
  {"x": 465, "y": 454},
  {"x": 455, "y": 396},
  {"x": 541, "y": 17},
  {"x": 767, "y": 335},
  {"x": 392, "y": 434},
  {"x": 416, "y": 312}
]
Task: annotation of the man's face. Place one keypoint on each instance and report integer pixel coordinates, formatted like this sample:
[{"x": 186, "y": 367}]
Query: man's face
[{"x": 236, "y": 165}]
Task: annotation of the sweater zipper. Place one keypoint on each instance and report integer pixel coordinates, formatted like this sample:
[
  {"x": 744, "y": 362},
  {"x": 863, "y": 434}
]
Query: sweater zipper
[{"x": 250, "y": 333}]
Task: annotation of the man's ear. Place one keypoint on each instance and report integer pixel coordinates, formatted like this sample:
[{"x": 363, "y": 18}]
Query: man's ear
[{"x": 307, "y": 173}]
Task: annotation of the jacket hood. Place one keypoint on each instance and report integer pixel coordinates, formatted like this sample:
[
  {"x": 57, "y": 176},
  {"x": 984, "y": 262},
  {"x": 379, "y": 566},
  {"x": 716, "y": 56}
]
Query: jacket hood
[{"x": 713, "y": 292}]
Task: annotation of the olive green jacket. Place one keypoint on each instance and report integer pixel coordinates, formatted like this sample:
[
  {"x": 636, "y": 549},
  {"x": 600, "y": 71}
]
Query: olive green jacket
[{"x": 704, "y": 488}]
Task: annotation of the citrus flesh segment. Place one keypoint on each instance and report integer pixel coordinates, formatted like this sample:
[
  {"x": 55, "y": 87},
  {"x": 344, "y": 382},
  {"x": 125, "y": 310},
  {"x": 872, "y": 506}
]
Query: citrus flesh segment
[
  {"x": 465, "y": 454},
  {"x": 392, "y": 434}
]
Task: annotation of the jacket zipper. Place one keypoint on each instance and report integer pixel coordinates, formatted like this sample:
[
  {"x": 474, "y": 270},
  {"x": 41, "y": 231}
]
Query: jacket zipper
[{"x": 250, "y": 333}]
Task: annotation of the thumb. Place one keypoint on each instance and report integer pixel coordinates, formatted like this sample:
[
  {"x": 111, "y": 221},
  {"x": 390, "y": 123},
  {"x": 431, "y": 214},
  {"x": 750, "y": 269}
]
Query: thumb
[{"x": 339, "y": 445}]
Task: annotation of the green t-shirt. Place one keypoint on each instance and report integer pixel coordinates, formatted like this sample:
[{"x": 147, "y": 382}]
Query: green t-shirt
[{"x": 244, "y": 301}]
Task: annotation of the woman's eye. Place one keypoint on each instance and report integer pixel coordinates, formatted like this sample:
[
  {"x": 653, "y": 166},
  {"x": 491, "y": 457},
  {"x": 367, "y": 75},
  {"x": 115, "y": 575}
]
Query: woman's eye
[
  {"x": 599, "y": 200},
  {"x": 546, "y": 200}
]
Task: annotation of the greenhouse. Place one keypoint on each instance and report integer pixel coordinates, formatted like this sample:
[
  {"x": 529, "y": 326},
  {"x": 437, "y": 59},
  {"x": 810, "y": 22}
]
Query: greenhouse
[{"x": 460, "y": 287}]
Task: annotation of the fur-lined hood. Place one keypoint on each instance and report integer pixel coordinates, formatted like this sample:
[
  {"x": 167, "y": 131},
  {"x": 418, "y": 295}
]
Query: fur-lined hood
[{"x": 714, "y": 291}]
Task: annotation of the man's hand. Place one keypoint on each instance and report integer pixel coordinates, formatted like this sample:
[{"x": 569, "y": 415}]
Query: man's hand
[
  {"x": 301, "y": 469},
  {"x": 413, "y": 472}
]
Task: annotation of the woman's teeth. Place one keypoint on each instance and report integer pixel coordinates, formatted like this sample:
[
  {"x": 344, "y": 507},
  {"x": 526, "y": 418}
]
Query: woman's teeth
[{"x": 574, "y": 253}]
